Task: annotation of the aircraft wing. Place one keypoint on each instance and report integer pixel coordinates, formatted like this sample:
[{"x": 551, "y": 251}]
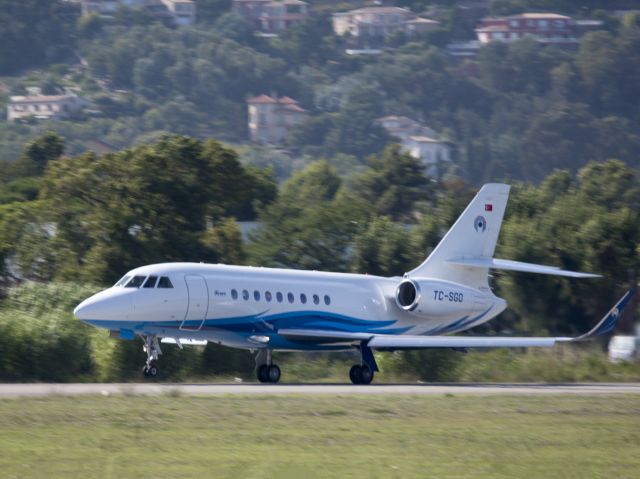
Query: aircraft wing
[{"x": 394, "y": 342}]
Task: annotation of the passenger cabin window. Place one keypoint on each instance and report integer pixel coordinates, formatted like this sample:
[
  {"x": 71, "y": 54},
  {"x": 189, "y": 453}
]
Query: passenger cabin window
[
  {"x": 123, "y": 280},
  {"x": 279, "y": 297},
  {"x": 164, "y": 282},
  {"x": 256, "y": 295},
  {"x": 290, "y": 297},
  {"x": 316, "y": 299},
  {"x": 234, "y": 294},
  {"x": 150, "y": 282},
  {"x": 135, "y": 282},
  {"x": 327, "y": 299},
  {"x": 303, "y": 298},
  {"x": 267, "y": 296},
  {"x": 245, "y": 295}
]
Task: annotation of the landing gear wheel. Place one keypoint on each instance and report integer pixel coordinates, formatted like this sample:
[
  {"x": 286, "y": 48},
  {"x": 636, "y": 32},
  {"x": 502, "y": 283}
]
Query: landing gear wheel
[
  {"x": 355, "y": 374},
  {"x": 366, "y": 374},
  {"x": 273, "y": 374},
  {"x": 262, "y": 373},
  {"x": 152, "y": 370}
]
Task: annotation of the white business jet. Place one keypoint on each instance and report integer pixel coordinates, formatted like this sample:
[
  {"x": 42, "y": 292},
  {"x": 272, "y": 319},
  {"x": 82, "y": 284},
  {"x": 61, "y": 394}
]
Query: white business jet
[{"x": 266, "y": 309}]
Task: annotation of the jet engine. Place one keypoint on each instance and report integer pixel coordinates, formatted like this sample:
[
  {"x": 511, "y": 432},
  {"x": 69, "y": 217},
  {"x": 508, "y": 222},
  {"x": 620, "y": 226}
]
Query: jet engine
[{"x": 440, "y": 298}]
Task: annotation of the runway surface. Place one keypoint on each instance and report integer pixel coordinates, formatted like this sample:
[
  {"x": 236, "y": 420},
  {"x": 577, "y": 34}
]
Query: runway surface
[{"x": 41, "y": 389}]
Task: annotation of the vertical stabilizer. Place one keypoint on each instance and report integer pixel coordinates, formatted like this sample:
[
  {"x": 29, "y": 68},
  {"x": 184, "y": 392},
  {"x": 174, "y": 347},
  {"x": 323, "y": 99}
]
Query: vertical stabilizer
[{"x": 473, "y": 235}]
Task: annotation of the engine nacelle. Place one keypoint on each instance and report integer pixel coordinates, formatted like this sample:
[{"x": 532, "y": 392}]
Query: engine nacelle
[{"x": 430, "y": 298}]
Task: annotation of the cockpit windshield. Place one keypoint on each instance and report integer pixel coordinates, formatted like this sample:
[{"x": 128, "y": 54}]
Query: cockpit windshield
[
  {"x": 150, "y": 282},
  {"x": 135, "y": 282},
  {"x": 122, "y": 280}
]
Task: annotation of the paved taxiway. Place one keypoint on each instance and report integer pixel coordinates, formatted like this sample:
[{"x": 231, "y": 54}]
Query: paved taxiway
[{"x": 42, "y": 389}]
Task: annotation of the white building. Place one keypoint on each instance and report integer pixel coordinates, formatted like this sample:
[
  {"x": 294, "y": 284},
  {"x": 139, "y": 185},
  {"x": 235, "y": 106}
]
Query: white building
[
  {"x": 272, "y": 17},
  {"x": 270, "y": 119},
  {"x": 43, "y": 107},
  {"x": 377, "y": 22},
  {"x": 418, "y": 140},
  {"x": 183, "y": 11}
]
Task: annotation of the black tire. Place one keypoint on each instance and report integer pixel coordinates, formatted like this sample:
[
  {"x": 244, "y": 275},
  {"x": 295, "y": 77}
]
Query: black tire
[
  {"x": 355, "y": 374},
  {"x": 366, "y": 374},
  {"x": 262, "y": 373},
  {"x": 153, "y": 371},
  {"x": 273, "y": 374}
]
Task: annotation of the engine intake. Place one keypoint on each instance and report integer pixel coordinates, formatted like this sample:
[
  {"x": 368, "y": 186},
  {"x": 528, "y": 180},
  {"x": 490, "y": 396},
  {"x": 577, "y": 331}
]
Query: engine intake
[{"x": 408, "y": 295}]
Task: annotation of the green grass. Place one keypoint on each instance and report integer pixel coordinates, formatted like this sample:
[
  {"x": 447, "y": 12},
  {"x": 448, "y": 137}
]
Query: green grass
[{"x": 318, "y": 436}]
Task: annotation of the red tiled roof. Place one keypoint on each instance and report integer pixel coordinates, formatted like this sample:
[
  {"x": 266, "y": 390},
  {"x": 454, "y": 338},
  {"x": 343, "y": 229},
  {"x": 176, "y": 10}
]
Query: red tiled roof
[
  {"x": 262, "y": 99},
  {"x": 293, "y": 107}
]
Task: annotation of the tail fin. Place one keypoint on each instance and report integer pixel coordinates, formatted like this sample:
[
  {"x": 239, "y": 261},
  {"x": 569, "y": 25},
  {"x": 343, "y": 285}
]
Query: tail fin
[{"x": 473, "y": 235}]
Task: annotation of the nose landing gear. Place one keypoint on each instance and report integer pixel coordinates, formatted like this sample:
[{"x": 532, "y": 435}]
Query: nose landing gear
[{"x": 152, "y": 348}]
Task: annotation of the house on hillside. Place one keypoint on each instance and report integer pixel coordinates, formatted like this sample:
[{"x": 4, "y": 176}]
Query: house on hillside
[
  {"x": 272, "y": 17},
  {"x": 43, "y": 107},
  {"x": 548, "y": 28},
  {"x": 419, "y": 141},
  {"x": 374, "y": 23},
  {"x": 180, "y": 12},
  {"x": 271, "y": 118}
]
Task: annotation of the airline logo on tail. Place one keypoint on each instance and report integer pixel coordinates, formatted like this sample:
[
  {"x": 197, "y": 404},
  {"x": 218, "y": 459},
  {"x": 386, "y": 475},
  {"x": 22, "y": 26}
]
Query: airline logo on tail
[{"x": 480, "y": 224}]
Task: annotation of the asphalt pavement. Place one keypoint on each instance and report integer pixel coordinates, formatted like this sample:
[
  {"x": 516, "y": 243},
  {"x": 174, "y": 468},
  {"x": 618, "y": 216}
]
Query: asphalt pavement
[{"x": 250, "y": 389}]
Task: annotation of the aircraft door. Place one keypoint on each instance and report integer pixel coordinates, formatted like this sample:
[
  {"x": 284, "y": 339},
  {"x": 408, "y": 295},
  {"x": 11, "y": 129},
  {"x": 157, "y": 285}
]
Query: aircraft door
[{"x": 198, "y": 303}]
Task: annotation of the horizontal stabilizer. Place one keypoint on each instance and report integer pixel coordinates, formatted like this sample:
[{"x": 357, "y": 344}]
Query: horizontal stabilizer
[{"x": 509, "y": 265}]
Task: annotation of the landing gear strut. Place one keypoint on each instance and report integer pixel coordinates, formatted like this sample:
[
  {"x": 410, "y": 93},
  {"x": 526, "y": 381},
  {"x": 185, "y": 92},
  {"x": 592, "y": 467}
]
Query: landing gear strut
[
  {"x": 266, "y": 371},
  {"x": 152, "y": 348},
  {"x": 363, "y": 373}
]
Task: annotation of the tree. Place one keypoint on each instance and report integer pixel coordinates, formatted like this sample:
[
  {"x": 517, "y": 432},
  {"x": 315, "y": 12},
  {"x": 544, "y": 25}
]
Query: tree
[
  {"x": 394, "y": 183},
  {"x": 38, "y": 153},
  {"x": 141, "y": 206},
  {"x": 311, "y": 223},
  {"x": 382, "y": 249}
]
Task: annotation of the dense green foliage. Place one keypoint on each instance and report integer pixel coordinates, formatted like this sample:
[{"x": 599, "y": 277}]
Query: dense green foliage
[
  {"x": 95, "y": 217},
  {"x": 35, "y": 32}
]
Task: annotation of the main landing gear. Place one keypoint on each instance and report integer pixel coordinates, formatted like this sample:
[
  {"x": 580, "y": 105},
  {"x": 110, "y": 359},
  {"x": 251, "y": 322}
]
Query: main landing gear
[
  {"x": 152, "y": 348},
  {"x": 363, "y": 373},
  {"x": 266, "y": 371}
]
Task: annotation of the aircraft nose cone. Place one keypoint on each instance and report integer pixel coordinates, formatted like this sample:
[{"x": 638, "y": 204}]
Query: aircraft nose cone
[{"x": 106, "y": 305}]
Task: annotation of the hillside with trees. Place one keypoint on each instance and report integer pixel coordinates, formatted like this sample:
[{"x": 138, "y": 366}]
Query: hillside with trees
[{"x": 515, "y": 111}]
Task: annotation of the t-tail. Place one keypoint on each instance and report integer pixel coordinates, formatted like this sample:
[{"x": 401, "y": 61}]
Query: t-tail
[{"x": 465, "y": 254}]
